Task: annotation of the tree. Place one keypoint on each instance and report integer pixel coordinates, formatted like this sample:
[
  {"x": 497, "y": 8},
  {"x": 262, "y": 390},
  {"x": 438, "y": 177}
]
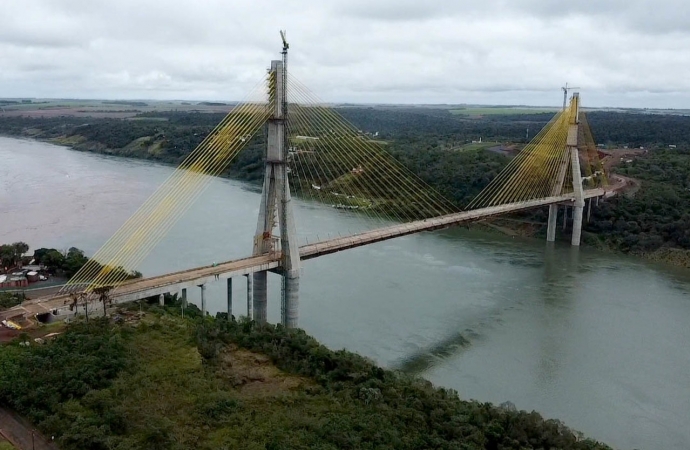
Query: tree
[
  {"x": 20, "y": 248},
  {"x": 103, "y": 293},
  {"x": 7, "y": 256},
  {"x": 40, "y": 253},
  {"x": 74, "y": 261},
  {"x": 54, "y": 260},
  {"x": 11, "y": 255},
  {"x": 79, "y": 298}
]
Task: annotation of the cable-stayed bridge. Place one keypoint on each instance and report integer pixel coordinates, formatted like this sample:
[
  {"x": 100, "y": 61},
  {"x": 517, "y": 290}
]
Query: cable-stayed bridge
[{"x": 312, "y": 151}]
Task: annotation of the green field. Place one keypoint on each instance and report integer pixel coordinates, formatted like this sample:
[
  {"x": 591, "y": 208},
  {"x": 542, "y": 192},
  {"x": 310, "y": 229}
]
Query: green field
[
  {"x": 476, "y": 146},
  {"x": 501, "y": 110}
]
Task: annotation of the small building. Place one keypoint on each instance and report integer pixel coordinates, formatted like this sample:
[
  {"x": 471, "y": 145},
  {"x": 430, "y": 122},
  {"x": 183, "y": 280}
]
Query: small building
[
  {"x": 671, "y": 146},
  {"x": 13, "y": 281},
  {"x": 32, "y": 276}
]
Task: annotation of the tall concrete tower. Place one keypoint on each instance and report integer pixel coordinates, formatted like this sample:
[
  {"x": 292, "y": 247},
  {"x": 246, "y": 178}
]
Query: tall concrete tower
[
  {"x": 276, "y": 206},
  {"x": 570, "y": 154}
]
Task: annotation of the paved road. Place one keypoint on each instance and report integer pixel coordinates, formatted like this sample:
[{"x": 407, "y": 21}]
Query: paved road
[{"x": 21, "y": 434}]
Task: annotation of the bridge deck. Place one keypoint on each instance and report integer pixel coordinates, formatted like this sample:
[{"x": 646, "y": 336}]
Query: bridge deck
[
  {"x": 148, "y": 287},
  {"x": 393, "y": 231}
]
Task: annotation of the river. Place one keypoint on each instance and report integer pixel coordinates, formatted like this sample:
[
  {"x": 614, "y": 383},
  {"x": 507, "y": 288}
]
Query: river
[{"x": 595, "y": 339}]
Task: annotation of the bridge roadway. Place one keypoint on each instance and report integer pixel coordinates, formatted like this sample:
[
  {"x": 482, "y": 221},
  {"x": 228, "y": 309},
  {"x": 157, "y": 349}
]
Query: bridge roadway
[{"x": 173, "y": 282}]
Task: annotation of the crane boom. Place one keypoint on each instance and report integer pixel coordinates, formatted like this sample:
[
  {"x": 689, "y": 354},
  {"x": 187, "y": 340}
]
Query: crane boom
[
  {"x": 285, "y": 43},
  {"x": 566, "y": 88}
]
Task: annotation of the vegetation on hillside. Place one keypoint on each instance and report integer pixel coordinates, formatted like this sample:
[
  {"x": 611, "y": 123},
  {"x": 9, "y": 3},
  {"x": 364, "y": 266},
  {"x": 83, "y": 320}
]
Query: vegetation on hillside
[
  {"x": 10, "y": 299},
  {"x": 172, "y": 383},
  {"x": 657, "y": 216}
]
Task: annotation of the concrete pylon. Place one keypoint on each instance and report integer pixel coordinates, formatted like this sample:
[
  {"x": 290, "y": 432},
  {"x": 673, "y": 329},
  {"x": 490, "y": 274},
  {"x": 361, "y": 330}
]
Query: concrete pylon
[
  {"x": 229, "y": 298},
  {"x": 570, "y": 155},
  {"x": 203, "y": 300},
  {"x": 276, "y": 208},
  {"x": 551, "y": 230},
  {"x": 579, "y": 206},
  {"x": 250, "y": 279}
]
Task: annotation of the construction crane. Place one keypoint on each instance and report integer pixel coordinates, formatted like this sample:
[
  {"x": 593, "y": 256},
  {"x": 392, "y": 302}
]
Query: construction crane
[
  {"x": 285, "y": 43},
  {"x": 565, "y": 88}
]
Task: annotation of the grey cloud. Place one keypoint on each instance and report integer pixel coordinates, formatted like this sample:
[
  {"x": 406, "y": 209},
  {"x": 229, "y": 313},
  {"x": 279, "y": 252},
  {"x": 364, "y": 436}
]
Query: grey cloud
[
  {"x": 629, "y": 53},
  {"x": 647, "y": 15}
]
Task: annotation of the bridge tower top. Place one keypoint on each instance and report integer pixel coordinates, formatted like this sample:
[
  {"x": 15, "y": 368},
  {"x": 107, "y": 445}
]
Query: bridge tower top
[{"x": 575, "y": 105}]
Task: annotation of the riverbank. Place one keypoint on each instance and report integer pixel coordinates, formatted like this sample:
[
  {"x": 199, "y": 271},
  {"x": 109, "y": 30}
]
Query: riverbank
[
  {"x": 530, "y": 230},
  {"x": 226, "y": 384}
]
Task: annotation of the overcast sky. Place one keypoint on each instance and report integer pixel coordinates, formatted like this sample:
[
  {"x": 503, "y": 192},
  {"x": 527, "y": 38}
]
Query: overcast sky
[{"x": 631, "y": 53}]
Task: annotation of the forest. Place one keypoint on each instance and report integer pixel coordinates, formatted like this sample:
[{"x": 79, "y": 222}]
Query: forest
[
  {"x": 159, "y": 381},
  {"x": 657, "y": 216}
]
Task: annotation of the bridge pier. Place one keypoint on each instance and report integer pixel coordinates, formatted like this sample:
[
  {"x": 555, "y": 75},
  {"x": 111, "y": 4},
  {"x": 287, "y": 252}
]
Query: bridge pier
[
  {"x": 260, "y": 289},
  {"x": 565, "y": 216},
  {"x": 229, "y": 298},
  {"x": 203, "y": 299},
  {"x": 290, "y": 307},
  {"x": 183, "y": 297},
  {"x": 249, "y": 296},
  {"x": 589, "y": 210},
  {"x": 161, "y": 300},
  {"x": 577, "y": 224},
  {"x": 551, "y": 230}
]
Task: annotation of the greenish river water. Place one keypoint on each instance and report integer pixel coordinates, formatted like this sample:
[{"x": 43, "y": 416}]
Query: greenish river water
[{"x": 597, "y": 340}]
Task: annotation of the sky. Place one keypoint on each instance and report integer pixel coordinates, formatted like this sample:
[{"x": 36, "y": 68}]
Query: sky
[{"x": 620, "y": 53}]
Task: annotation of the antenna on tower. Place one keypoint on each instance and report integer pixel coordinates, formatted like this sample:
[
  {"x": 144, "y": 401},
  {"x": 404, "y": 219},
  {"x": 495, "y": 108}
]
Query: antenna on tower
[{"x": 566, "y": 88}]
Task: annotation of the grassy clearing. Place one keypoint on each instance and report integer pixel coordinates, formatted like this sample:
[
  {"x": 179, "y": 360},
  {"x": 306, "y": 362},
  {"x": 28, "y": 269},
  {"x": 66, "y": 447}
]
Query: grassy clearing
[
  {"x": 69, "y": 140},
  {"x": 476, "y": 146}
]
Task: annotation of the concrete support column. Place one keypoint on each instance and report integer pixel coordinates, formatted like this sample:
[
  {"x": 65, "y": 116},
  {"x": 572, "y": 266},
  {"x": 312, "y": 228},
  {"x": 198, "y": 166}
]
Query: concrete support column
[
  {"x": 551, "y": 230},
  {"x": 589, "y": 210},
  {"x": 203, "y": 299},
  {"x": 161, "y": 300},
  {"x": 229, "y": 298},
  {"x": 249, "y": 295},
  {"x": 565, "y": 216},
  {"x": 290, "y": 312},
  {"x": 577, "y": 224},
  {"x": 260, "y": 296},
  {"x": 183, "y": 297},
  {"x": 578, "y": 208}
]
